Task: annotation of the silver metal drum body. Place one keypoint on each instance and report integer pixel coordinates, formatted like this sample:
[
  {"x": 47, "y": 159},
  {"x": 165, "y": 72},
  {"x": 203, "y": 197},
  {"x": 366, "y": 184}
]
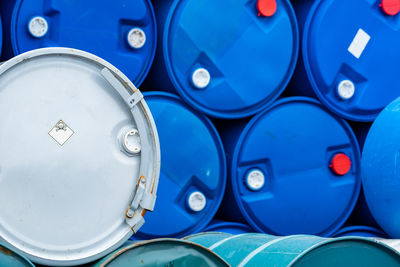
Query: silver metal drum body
[{"x": 79, "y": 156}]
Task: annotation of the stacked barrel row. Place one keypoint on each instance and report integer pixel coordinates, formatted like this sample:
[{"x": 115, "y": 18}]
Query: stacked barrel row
[
  {"x": 262, "y": 107},
  {"x": 289, "y": 89}
]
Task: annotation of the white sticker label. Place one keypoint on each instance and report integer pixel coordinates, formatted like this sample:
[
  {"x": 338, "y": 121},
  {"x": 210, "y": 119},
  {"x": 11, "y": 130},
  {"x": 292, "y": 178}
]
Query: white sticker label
[
  {"x": 359, "y": 43},
  {"x": 61, "y": 132}
]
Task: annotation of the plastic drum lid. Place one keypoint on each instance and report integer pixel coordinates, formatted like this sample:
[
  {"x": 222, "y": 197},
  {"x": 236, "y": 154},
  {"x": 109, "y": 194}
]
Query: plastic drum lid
[
  {"x": 361, "y": 230},
  {"x": 234, "y": 63},
  {"x": 293, "y": 144},
  {"x": 380, "y": 165},
  {"x": 122, "y": 32},
  {"x": 338, "y": 55},
  {"x": 193, "y": 172},
  {"x": 64, "y": 172},
  {"x": 163, "y": 252},
  {"x": 347, "y": 252}
]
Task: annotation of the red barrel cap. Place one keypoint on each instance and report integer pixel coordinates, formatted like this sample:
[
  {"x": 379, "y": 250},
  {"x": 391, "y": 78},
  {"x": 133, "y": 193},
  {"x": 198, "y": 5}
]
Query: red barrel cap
[
  {"x": 266, "y": 8},
  {"x": 340, "y": 164},
  {"x": 390, "y": 7}
]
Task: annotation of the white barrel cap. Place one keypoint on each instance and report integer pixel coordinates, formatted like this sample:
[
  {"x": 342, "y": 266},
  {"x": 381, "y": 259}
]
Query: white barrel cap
[
  {"x": 136, "y": 38},
  {"x": 38, "y": 27},
  {"x": 346, "y": 89},
  {"x": 73, "y": 193},
  {"x": 197, "y": 201},
  {"x": 201, "y": 78},
  {"x": 255, "y": 179},
  {"x": 131, "y": 141}
]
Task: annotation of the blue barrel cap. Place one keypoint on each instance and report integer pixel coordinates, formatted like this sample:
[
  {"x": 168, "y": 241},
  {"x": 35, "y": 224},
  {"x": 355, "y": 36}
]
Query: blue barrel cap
[
  {"x": 193, "y": 172},
  {"x": 230, "y": 60},
  {"x": 310, "y": 164},
  {"x": 360, "y": 230},
  {"x": 122, "y": 32},
  {"x": 343, "y": 43},
  {"x": 380, "y": 169},
  {"x": 233, "y": 228}
]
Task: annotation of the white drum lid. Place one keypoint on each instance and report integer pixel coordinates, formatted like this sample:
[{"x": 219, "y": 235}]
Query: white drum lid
[{"x": 69, "y": 191}]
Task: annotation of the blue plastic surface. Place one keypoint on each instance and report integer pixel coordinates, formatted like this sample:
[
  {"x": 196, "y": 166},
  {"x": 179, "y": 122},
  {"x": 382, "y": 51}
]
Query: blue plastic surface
[
  {"x": 361, "y": 214},
  {"x": 233, "y": 228},
  {"x": 293, "y": 143},
  {"x": 360, "y": 230},
  {"x": 250, "y": 58},
  {"x": 328, "y": 32},
  {"x": 96, "y": 26},
  {"x": 192, "y": 159},
  {"x": 1, "y": 35},
  {"x": 380, "y": 169}
]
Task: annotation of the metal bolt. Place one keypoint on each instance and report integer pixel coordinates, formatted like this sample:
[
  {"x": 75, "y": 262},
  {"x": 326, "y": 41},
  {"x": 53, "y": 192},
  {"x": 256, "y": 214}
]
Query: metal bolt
[
  {"x": 38, "y": 27},
  {"x": 136, "y": 38},
  {"x": 201, "y": 78},
  {"x": 346, "y": 89},
  {"x": 255, "y": 180},
  {"x": 130, "y": 213},
  {"x": 143, "y": 181}
]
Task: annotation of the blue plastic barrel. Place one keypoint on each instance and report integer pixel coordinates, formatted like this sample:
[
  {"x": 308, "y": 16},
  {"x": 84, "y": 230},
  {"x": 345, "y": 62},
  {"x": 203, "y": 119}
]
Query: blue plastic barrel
[
  {"x": 380, "y": 169},
  {"x": 297, "y": 251},
  {"x": 350, "y": 52},
  {"x": 295, "y": 169},
  {"x": 122, "y": 32},
  {"x": 228, "y": 59},
  {"x": 360, "y": 230},
  {"x": 233, "y": 228},
  {"x": 193, "y": 169}
]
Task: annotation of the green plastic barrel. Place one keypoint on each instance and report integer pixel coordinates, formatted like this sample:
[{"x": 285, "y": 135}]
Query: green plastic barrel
[
  {"x": 11, "y": 258},
  {"x": 165, "y": 252},
  {"x": 297, "y": 251}
]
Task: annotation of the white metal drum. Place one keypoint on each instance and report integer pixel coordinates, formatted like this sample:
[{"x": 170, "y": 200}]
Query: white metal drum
[{"x": 79, "y": 156}]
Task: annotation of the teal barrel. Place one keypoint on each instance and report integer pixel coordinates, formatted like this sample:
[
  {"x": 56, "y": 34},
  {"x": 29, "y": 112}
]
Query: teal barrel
[
  {"x": 298, "y": 250},
  {"x": 11, "y": 258},
  {"x": 164, "y": 252}
]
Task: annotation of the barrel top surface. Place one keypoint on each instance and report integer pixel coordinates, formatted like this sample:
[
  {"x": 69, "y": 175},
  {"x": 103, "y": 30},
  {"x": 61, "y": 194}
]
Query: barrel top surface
[
  {"x": 298, "y": 250},
  {"x": 380, "y": 162},
  {"x": 337, "y": 49},
  {"x": 293, "y": 144},
  {"x": 226, "y": 60},
  {"x": 97, "y": 26},
  {"x": 348, "y": 252},
  {"x": 72, "y": 155},
  {"x": 195, "y": 163},
  {"x": 163, "y": 252}
]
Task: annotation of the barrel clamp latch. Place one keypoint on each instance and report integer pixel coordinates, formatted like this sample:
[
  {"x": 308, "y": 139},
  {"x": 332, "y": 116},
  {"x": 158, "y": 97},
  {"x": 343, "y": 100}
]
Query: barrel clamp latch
[{"x": 145, "y": 200}]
